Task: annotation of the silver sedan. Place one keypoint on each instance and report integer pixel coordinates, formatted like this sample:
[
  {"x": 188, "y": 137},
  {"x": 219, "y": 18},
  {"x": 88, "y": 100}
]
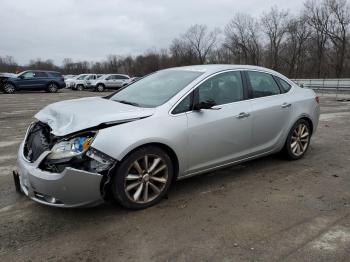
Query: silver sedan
[{"x": 172, "y": 124}]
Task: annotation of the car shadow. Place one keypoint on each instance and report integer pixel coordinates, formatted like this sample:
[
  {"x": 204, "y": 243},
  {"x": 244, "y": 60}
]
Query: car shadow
[{"x": 178, "y": 189}]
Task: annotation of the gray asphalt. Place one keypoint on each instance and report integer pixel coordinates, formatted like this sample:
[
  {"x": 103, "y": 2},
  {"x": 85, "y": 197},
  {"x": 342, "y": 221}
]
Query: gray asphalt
[{"x": 264, "y": 210}]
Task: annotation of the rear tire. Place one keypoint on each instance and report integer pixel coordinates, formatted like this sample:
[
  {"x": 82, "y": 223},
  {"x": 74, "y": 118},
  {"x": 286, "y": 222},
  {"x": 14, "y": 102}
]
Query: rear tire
[
  {"x": 100, "y": 88},
  {"x": 298, "y": 140},
  {"x": 9, "y": 88},
  {"x": 142, "y": 178},
  {"x": 52, "y": 88},
  {"x": 80, "y": 87}
]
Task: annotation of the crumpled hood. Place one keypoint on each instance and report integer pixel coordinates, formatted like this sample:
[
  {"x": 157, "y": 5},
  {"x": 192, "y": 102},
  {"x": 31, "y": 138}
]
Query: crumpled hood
[{"x": 71, "y": 116}]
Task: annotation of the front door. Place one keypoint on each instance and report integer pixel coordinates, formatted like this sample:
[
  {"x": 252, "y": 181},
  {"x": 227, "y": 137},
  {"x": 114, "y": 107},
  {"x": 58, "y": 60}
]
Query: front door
[
  {"x": 26, "y": 80},
  {"x": 220, "y": 135}
]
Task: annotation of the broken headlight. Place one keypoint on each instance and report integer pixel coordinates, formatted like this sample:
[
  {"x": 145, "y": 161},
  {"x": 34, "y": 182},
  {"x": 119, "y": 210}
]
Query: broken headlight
[
  {"x": 70, "y": 148},
  {"x": 76, "y": 152},
  {"x": 99, "y": 161}
]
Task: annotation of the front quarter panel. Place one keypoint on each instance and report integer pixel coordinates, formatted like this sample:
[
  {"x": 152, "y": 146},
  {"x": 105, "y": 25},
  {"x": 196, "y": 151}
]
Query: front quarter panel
[{"x": 119, "y": 140}]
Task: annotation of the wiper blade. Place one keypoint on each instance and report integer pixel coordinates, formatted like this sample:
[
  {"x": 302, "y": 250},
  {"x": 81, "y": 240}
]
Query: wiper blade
[{"x": 127, "y": 102}]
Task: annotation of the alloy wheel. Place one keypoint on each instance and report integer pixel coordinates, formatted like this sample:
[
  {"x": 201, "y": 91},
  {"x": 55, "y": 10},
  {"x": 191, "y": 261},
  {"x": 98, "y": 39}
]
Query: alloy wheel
[
  {"x": 100, "y": 88},
  {"x": 300, "y": 139},
  {"x": 52, "y": 88},
  {"x": 9, "y": 89},
  {"x": 146, "y": 179}
]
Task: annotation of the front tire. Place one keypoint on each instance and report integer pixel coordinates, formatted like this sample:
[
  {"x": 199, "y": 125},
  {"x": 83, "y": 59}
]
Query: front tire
[
  {"x": 142, "y": 178},
  {"x": 298, "y": 140},
  {"x": 80, "y": 87},
  {"x": 9, "y": 88}
]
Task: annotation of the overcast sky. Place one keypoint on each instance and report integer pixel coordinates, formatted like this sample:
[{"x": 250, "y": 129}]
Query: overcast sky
[{"x": 91, "y": 29}]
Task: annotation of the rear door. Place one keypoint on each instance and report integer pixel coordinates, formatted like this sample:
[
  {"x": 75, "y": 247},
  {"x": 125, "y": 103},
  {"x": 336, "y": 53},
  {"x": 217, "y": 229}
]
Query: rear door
[
  {"x": 271, "y": 111},
  {"x": 110, "y": 81},
  {"x": 119, "y": 80},
  {"x": 40, "y": 80},
  {"x": 220, "y": 135}
]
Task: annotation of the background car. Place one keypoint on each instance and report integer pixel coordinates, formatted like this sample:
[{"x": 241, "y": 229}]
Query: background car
[
  {"x": 70, "y": 81},
  {"x": 49, "y": 81},
  {"x": 82, "y": 82},
  {"x": 110, "y": 81},
  {"x": 66, "y": 77},
  {"x": 79, "y": 78}
]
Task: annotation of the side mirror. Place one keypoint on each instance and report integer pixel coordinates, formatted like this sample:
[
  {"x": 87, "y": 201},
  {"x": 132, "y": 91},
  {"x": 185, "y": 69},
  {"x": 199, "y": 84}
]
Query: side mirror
[{"x": 209, "y": 104}]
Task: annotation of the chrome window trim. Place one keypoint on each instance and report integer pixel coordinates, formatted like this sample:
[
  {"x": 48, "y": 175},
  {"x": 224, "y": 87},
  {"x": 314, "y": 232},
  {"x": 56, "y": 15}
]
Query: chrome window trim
[{"x": 231, "y": 70}]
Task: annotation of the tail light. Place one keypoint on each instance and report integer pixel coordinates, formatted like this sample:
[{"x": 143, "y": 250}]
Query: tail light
[{"x": 317, "y": 98}]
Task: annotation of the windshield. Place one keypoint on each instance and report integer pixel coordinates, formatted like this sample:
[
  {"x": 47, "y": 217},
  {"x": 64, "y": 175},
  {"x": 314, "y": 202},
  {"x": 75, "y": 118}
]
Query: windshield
[{"x": 155, "y": 89}]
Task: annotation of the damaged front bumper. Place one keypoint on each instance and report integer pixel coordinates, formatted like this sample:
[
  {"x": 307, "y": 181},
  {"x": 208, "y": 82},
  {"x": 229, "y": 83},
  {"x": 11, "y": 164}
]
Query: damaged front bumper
[
  {"x": 71, "y": 188},
  {"x": 68, "y": 188}
]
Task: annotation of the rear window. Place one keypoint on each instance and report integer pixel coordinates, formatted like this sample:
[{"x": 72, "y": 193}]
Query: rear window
[{"x": 285, "y": 86}]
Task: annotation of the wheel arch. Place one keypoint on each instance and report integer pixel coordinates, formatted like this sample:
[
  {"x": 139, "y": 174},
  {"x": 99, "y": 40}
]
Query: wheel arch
[
  {"x": 166, "y": 148},
  {"x": 9, "y": 82},
  {"x": 307, "y": 119}
]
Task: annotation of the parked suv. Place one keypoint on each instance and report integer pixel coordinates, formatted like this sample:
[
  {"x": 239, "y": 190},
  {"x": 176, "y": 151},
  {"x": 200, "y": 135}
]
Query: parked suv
[
  {"x": 110, "y": 81},
  {"x": 81, "y": 82},
  {"x": 49, "y": 81}
]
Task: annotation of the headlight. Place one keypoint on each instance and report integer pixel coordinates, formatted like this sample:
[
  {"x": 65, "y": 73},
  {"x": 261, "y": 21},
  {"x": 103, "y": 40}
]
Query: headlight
[{"x": 70, "y": 148}]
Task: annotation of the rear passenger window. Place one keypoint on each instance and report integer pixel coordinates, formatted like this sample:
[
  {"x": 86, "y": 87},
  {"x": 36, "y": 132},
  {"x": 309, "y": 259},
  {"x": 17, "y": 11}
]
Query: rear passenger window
[
  {"x": 120, "y": 77},
  {"x": 54, "y": 74},
  {"x": 262, "y": 84},
  {"x": 40, "y": 74},
  {"x": 285, "y": 86}
]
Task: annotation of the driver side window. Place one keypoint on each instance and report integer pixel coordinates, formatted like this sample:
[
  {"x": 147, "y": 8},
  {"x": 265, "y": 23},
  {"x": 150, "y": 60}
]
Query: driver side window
[
  {"x": 222, "y": 89},
  {"x": 28, "y": 75}
]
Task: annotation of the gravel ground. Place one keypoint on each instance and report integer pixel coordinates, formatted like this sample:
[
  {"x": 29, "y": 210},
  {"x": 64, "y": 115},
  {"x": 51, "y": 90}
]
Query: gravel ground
[{"x": 264, "y": 210}]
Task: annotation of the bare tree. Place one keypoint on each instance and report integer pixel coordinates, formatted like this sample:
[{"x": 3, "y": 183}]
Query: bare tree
[
  {"x": 201, "y": 41},
  {"x": 8, "y": 64},
  {"x": 298, "y": 33},
  {"x": 275, "y": 27},
  {"x": 337, "y": 30},
  {"x": 242, "y": 39},
  {"x": 318, "y": 18}
]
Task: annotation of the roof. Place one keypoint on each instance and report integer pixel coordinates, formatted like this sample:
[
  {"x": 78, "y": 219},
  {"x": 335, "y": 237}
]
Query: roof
[
  {"x": 214, "y": 68},
  {"x": 36, "y": 70}
]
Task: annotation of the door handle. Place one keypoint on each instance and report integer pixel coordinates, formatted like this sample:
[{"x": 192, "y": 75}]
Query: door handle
[
  {"x": 243, "y": 115},
  {"x": 285, "y": 105}
]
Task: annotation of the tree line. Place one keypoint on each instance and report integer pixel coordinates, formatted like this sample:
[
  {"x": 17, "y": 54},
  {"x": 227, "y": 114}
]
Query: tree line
[{"x": 314, "y": 43}]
